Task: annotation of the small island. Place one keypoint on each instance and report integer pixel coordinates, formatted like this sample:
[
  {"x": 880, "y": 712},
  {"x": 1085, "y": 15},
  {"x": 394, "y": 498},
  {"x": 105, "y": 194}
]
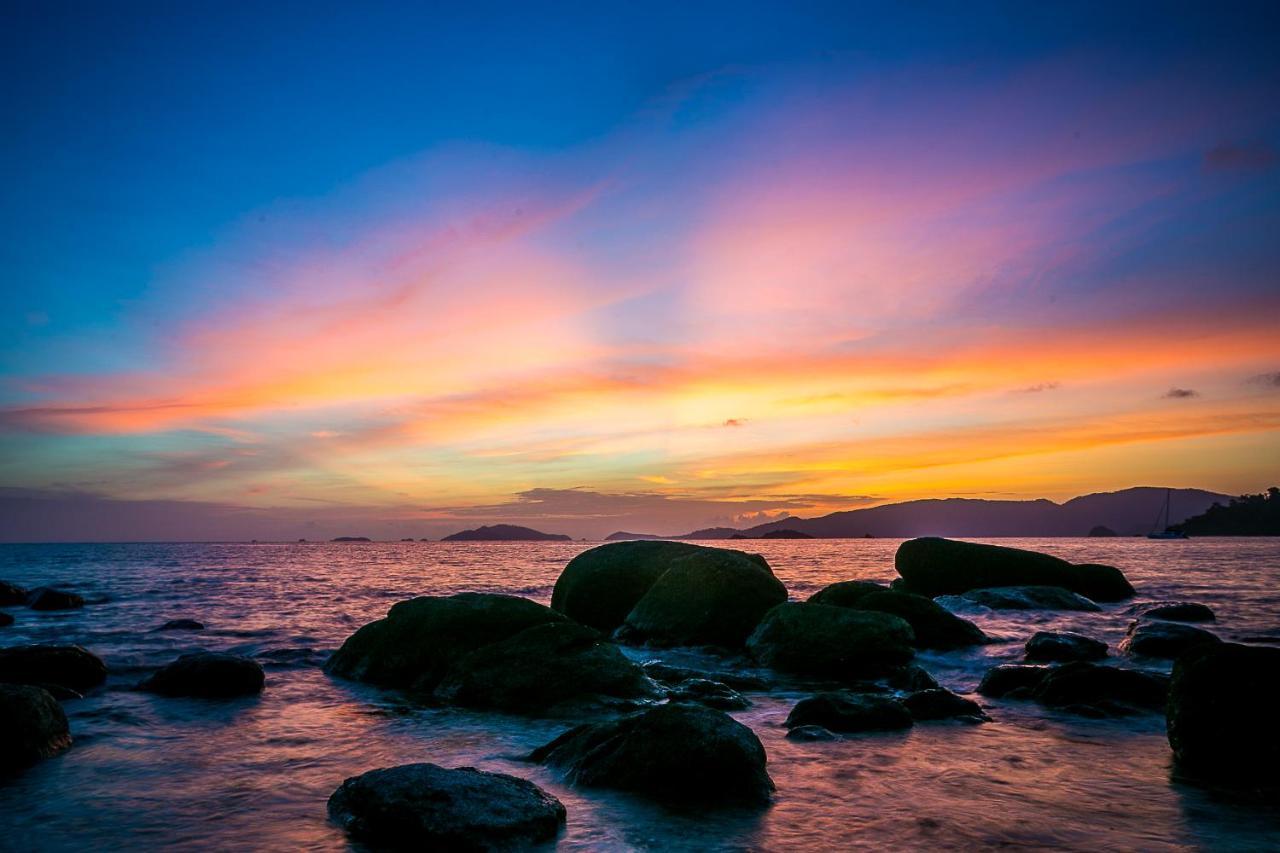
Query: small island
[
  {"x": 351, "y": 539},
  {"x": 505, "y": 533}
]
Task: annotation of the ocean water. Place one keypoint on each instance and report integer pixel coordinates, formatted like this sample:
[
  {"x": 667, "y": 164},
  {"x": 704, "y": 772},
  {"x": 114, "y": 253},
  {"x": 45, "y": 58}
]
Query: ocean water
[{"x": 147, "y": 772}]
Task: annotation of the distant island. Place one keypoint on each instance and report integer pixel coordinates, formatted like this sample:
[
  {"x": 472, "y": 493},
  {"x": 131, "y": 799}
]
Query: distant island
[
  {"x": 351, "y": 539},
  {"x": 505, "y": 533},
  {"x": 776, "y": 534},
  {"x": 1247, "y": 515}
]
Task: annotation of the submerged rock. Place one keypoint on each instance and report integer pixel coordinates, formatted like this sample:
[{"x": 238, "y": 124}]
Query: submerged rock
[
  {"x": 208, "y": 675},
  {"x": 47, "y": 598},
  {"x": 5, "y": 619},
  {"x": 1064, "y": 646},
  {"x": 1014, "y": 681},
  {"x": 552, "y": 666},
  {"x": 1224, "y": 701},
  {"x": 713, "y": 694},
  {"x": 1104, "y": 689},
  {"x": 65, "y": 666},
  {"x": 599, "y": 587},
  {"x": 11, "y": 594},
  {"x": 934, "y": 626},
  {"x": 810, "y": 733},
  {"x": 681, "y": 754},
  {"x": 1164, "y": 639},
  {"x": 941, "y": 704},
  {"x": 182, "y": 625},
  {"x": 425, "y": 806},
  {"x": 711, "y": 597},
  {"x": 1181, "y": 611},
  {"x": 911, "y": 678},
  {"x": 850, "y": 712},
  {"x": 32, "y": 726},
  {"x": 932, "y": 566},
  {"x": 831, "y": 642},
  {"x": 674, "y": 675},
  {"x": 846, "y": 593},
  {"x": 1030, "y": 598}
]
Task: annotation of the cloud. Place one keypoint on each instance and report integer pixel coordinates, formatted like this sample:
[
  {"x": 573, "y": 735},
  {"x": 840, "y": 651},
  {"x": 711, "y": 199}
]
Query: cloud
[
  {"x": 735, "y": 422},
  {"x": 1269, "y": 380},
  {"x": 1239, "y": 157},
  {"x": 1180, "y": 394},
  {"x": 1037, "y": 388}
]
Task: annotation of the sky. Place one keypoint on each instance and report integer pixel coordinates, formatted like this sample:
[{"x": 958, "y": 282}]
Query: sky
[{"x": 283, "y": 270}]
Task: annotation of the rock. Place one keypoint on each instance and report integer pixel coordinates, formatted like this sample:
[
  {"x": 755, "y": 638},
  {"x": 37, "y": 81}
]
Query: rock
[
  {"x": 712, "y": 597},
  {"x": 846, "y": 593},
  {"x": 5, "y": 620},
  {"x": 810, "y": 733},
  {"x": 1101, "y": 530},
  {"x": 1030, "y": 598},
  {"x": 46, "y": 598},
  {"x": 1012, "y": 681},
  {"x": 1110, "y": 689},
  {"x": 599, "y": 587},
  {"x": 1063, "y": 646},
  {"x": 682, "y": 754},
  {"x": 182, "y": 625},
  {"x": 66, "y": 666},
  {"x": 932, "y": 566},
  {"x": 850, "y": 712},
  {"x": 551, "y": 667},
  {"x": 674, "y": 675},
  {"x": 1181, "y": 611},
  {"x": 935, "y": 627},
  {"x": 419, "y": 640},
  {"x": 32, "y": 726},
  {"x": 11, "y": 594},
  {"x": 831, "y": 642},
  {"x": 208, "y": 675},
  {"x": 425, "y": 806},
  {"x": 1163, "y": 639},
  {"x": 713, "y": 694},
  {"x": 911, "y": 678},
  {"x": 1222, "y": 712},
  {"x": 940, "y": 704}
]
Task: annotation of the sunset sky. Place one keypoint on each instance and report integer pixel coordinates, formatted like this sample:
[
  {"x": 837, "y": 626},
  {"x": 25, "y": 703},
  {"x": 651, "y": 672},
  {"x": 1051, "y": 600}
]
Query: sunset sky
[{"x": 306, "y": 270}]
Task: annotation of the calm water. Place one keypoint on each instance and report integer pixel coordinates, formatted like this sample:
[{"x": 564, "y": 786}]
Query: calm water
[{"x": 149, "y": 772}]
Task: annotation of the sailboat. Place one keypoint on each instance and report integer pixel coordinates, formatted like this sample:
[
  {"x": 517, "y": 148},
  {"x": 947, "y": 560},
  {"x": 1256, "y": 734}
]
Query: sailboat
[{"x": 1161, "y": 529}]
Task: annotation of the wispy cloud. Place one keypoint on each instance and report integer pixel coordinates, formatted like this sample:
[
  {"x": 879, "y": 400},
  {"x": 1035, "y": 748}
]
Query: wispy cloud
[{"x": 1180, "y": 394}]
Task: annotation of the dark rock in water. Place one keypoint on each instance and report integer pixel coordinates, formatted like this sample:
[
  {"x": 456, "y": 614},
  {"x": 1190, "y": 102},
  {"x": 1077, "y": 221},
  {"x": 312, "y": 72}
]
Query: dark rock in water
[
  {"x": 810, "y": 733},
  {"x": 428, "y": 807},
  {"x": 1222, "y": 712},
  {"x": 1064, "y": 646},
  {"x": 846, "y": 593},
  {"x": 66, "y": 666},
  {"x": 182, "y": 625},
  {"x": 208, "y": 675},
  {"x": 420, "y": 640},
  {"x": 940, "y": 704},
  {"x": 549, "y": 667},
  {"x": 11, "y": 594},
  {"x": 935, "y": 626},
  {"x": 5, "y": 620},
  {"x": 850, "y": 712},
  {"x": 712, "y": 597},
  {"x": 713, "y": 694},
  {"x": 32, "y": 726},
  {"x": 1107, "y": 688},
  {"x": 351, "y": 539},
  {"x": 1012, "y": 680},
  {"x": 1164, "y": 639},
  {"x": 686, "y": 755},
  {"x": 505, "y": 533},
  {"x": 1030, "y": 598},
  {"x": 674, "y": 675},
  {"x": 1101, "y": 530},
  {"x": 47, "y": 598},
  {"x": 831, "y": 642},
  {"x": 59, "y": 692},
  {"x": 1181, "y": 611},
  {"x": 932, "y": 566},
  {"x": 912, "y": 678},
  {"x": 599, "y": 587}
]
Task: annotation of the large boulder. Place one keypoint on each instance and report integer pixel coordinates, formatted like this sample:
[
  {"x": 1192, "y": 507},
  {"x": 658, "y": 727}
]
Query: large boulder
[
  {"x": 935, "y": 626},
  {"x": 1063, "y": 646},
  {"x": 419, "y": 641},
  {"x": 1098, "y": 689},
  {"x": 941, "y": 704},
  {"x": 846, "y": 593},
  {"x": 831, "y": 642},
  {"x": 932, "y": 566},
  {"x": 70, "y": 667},
  {"x": 1224, "y": 701},
  {"x": 599, "y": 587},
  {"x": 1181, "y": 611},
  {"x": 547, "y": 668},
  {"x": 47, "y": 598},
  {"x": 11, "y": 594},
  {"x": 208, "y": 675},
  {"x": 1014, "y": 681},
  {"x": 428, "y": 807},
  {"x": 677, "y": 753},
  {"x": 850, "y": 712},
  {"x": 1164, "y": 639},
  {"x": 713, "y": 694},
  {"x": 1030, "y": 598},
  {"x": 32, "y": 726},
  {"x": 712, "y": 597}
]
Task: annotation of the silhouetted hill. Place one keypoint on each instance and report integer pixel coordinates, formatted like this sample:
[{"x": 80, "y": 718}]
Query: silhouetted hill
[
  {"x": 1247, "y": 515},
  {"x": 505, "y": 533},
  {"x": 622, "y": 535}
]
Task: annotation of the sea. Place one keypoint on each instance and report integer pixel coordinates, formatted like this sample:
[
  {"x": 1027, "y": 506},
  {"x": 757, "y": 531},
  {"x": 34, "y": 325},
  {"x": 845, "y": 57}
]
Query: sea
[{"x": 147, "y": 772}]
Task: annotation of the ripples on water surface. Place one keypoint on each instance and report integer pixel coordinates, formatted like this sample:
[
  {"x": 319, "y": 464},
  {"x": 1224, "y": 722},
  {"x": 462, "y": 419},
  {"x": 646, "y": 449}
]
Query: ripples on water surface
[{"x": 148, "y": 771}]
